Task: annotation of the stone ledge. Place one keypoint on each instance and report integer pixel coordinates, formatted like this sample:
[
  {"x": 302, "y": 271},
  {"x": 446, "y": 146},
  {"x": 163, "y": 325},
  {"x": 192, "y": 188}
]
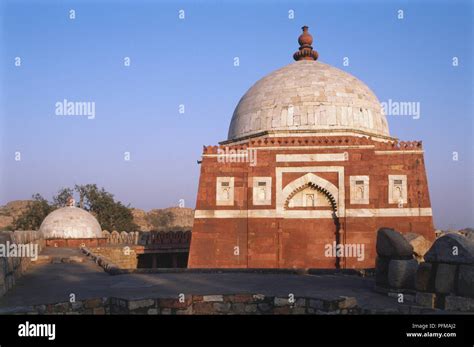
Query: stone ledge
[
  {"x": 103, "y": 262},
  {"x": 353, "y": 272}
]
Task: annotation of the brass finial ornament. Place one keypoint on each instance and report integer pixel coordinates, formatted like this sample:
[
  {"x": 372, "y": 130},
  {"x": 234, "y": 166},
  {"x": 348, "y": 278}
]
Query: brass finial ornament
[{"x": 306, "y": 51}]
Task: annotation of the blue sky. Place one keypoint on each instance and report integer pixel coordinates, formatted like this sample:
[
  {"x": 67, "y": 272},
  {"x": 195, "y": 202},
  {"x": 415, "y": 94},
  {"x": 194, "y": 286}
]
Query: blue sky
[{"x": 190, "y": 62}]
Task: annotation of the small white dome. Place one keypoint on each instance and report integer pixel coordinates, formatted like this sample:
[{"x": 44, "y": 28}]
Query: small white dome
[
  {"x": 70, "y": 223},
  {"x": 308, "y": 96}
]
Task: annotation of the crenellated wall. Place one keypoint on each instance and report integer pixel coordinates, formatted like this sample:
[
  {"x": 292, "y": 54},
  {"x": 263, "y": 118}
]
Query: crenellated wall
[
  {"x": 316, "y": 141},
  {"x": 120, "y": 238},
  {"x": 175, "y": 239}
]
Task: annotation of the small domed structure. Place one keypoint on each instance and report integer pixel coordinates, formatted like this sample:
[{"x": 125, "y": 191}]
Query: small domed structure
[{"x": 70, "y": 223}]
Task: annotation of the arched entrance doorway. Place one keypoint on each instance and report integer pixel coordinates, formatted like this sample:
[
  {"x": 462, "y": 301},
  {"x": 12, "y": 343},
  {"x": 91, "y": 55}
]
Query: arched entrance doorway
[{"x": 311, "y": 213}]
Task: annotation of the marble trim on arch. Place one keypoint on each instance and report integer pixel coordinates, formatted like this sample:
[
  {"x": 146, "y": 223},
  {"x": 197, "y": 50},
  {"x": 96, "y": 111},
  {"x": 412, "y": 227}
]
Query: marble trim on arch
[{"x": 282, "y": 193}]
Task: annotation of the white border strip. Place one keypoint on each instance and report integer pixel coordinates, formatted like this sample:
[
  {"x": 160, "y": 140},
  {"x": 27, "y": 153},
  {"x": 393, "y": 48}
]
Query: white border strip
[{"x": 314, "y": 214}]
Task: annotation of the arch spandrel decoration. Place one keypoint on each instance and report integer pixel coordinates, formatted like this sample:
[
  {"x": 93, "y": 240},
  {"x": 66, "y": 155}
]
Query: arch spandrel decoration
[
  {"x": 315, "y": 182},
  {"x": 331, "y": 199}
]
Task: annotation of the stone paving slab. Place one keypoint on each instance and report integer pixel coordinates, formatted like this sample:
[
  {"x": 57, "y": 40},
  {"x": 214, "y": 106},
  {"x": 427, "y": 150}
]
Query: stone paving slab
[{"x": 54, "y": 282}]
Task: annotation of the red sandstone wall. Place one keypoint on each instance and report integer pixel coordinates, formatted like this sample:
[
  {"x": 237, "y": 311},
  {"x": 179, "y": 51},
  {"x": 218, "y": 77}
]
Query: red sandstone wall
[
  {"x": 76, "y": 243},
  {"x": 300, "y": 243}
]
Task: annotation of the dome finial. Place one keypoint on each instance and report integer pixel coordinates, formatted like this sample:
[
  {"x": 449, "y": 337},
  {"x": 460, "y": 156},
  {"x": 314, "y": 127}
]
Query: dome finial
[
  {"x": 70, "y": 201},
  {"x": 306, "y": 51}
]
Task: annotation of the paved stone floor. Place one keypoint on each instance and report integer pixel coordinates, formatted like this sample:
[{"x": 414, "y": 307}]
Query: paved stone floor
[{"x": 54, "y": 282}]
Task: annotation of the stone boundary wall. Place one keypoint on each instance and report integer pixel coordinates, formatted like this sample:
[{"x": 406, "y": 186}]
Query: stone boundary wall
[
  {"x": 13, "y": 267},
  {"x": 235, "y": 304},
  {"x": 230, "y": 304},
  {"x": 198, "y": 304}
]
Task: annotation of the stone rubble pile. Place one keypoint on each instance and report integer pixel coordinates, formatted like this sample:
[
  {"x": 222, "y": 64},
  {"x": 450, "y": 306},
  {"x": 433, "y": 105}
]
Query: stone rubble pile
[
  {"x": 395, "y": 266},
  {"x": 440, "y": 277}
]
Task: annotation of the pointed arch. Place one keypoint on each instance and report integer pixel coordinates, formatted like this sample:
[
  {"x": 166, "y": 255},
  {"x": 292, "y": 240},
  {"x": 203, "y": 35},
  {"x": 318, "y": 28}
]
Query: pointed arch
[
  {"x": 331, "y": 199},
  {"x": 315, "y": 182},
  {"x": 326, "y": 188}
]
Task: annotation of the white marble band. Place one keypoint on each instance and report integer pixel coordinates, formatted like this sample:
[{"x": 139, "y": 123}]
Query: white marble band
[{"x": 308, "y": 214}]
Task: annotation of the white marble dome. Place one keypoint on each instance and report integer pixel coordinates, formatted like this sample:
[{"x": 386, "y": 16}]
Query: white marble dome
[
  {"x": 70, "y": 223},
  {"x": 308, "y": 96}
]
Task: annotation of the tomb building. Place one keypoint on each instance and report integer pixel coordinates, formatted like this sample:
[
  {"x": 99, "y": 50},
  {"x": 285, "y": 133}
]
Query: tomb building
[{"x": 308, "y": 163}]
